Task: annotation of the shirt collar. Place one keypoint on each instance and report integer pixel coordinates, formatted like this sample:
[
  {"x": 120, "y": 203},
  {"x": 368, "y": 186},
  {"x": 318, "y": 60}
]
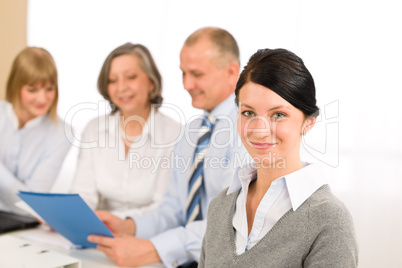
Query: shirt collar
[
  {"x": 300, "y": 184},
  {"x": 14, "y": 118},
  {"x": 243, "y": 175},
  {"x": 223, "y": 108},
  {"x": 146, "y": 130}
]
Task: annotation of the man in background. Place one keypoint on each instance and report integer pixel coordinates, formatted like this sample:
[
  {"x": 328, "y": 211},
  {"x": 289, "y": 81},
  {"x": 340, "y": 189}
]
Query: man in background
[{"x": 173, "y": 233}]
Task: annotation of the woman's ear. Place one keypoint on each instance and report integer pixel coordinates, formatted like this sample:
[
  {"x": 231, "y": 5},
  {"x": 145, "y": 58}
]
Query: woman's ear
[{"x": 308, "y": 124}]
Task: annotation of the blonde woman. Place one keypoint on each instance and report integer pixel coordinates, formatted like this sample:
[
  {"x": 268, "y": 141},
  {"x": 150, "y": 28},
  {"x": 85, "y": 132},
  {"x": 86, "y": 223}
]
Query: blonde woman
[{"x": 32, "y": 140}]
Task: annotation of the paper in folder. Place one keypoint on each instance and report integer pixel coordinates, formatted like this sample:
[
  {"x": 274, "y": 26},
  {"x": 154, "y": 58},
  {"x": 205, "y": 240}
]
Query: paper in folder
[{"x": 68, "y": 215}]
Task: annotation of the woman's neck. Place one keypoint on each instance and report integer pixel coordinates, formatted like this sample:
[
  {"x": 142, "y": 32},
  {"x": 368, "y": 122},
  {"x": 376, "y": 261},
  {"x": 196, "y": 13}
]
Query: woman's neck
[
  {"x": 267, "y": 174},
  {"x": 133, "y": 123}
]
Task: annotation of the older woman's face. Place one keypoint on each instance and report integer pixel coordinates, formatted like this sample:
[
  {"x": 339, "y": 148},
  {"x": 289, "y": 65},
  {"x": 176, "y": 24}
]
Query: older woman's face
[
  {"x": 269, "y": 126},
  {"x": 128, "y": 85}
]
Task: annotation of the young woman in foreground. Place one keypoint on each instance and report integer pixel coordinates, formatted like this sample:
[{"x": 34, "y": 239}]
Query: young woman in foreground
[{"x": 278, "y": 212}]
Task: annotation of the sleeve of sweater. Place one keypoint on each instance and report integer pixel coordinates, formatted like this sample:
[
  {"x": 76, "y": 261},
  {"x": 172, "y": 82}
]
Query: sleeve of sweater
[{"x": 335, "y": 243}]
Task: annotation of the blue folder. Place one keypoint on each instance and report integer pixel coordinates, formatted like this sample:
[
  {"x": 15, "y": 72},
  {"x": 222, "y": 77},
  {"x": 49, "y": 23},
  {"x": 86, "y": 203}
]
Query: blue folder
[{"x": 68, "y": 215}]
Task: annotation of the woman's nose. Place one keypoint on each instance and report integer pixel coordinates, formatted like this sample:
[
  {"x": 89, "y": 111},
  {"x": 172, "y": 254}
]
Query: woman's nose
[
  {"x": 259, "y": 127},
  {"x": 121, "y": 85}
]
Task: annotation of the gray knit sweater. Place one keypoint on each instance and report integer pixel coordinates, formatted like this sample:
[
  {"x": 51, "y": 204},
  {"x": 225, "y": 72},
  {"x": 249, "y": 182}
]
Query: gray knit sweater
[{"x": 319, "y": 233}]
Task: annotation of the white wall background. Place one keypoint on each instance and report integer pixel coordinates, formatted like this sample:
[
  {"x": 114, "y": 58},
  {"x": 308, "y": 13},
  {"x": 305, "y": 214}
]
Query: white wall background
[{"x": 352, "y": 49}]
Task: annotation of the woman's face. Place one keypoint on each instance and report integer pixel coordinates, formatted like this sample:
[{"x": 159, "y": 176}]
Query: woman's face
[
  {"x": 128, "y": 85},
  {"x": 269, "y": 126},
  {"x": 35, "y": 100}
]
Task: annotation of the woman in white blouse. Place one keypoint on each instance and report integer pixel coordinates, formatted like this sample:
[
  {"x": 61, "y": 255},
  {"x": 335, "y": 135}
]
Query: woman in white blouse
[
  {"x": 279, "y": 211},
  {"x": 32, "y": 140},
  {"x": 124, "y": 160}
]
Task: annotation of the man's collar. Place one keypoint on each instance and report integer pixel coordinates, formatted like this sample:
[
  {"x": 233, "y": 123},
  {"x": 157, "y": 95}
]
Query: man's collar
[{"x": 223, "y": 108}]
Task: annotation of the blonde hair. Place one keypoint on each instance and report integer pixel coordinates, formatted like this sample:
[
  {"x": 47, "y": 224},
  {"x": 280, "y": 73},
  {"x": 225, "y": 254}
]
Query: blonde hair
[{"x": 31, "y": 66}]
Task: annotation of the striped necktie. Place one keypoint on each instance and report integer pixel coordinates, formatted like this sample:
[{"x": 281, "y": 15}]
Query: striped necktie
[{"x": 197, "y": 175}]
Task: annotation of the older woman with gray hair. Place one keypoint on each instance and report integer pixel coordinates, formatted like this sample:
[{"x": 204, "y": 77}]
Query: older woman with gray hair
[{"x": 123, "y": 165}]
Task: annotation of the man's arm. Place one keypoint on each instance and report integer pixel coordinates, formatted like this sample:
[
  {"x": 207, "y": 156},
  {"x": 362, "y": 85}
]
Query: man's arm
[
  {"x": 180, "y": 245},
  {"x": 169, "y": 214},
  {"x": 172, "y": 247}
]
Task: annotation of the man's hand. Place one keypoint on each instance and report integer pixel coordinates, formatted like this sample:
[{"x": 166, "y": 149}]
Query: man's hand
[
  {"x": 127, "y": 250},
  {"x": 116, "y": 225}
]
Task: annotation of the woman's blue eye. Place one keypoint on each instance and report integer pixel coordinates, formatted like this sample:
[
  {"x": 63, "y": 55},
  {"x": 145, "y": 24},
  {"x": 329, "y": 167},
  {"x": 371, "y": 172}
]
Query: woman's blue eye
[{"x": 247, "y": 113}]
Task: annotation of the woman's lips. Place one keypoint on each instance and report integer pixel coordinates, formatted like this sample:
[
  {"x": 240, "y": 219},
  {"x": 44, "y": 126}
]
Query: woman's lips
[
  {"x": 126, "y": 99},
  {"x": 40, "y": 107},
  {"x": 262, "y": 146}
]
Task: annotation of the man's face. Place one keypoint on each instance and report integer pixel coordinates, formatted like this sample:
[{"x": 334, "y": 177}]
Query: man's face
[{"x": 207, "y": 83}]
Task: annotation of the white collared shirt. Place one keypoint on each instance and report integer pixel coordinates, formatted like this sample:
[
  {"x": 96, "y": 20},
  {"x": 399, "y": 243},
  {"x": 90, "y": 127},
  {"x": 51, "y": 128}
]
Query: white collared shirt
[
  {"x": 107, "y": 178},
  {"x": 285, "y": 193}
]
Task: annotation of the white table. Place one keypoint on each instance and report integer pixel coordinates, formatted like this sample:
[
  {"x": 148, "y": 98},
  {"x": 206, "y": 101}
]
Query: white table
[{"x": 90, "y": 258}]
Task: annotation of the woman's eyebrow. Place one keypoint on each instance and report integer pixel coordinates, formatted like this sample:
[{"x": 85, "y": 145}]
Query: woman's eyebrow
[
  {"x": 271, "y": 109},
  {"x": 279, "y": 107},
  {"x": 247, "y": 106}
]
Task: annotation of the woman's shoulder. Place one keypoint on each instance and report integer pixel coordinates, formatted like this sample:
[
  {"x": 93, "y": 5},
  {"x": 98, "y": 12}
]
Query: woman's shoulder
[
  {"x": 165, "y": 127},
  {"x": 223, "y": 198},
  {"x": 100, "y": 123},
  {"x": 221, "y": 204},
  {"x": 4, "y": 104},
  {"x": 53, "y": 132},
  {"x": 58, "y": 127},
  {"x": 50, "y": 124},
  {"x": 165, "y": 120},
  {"x": 94, "y": 122},
  {"x": 325, "y": 205}
]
